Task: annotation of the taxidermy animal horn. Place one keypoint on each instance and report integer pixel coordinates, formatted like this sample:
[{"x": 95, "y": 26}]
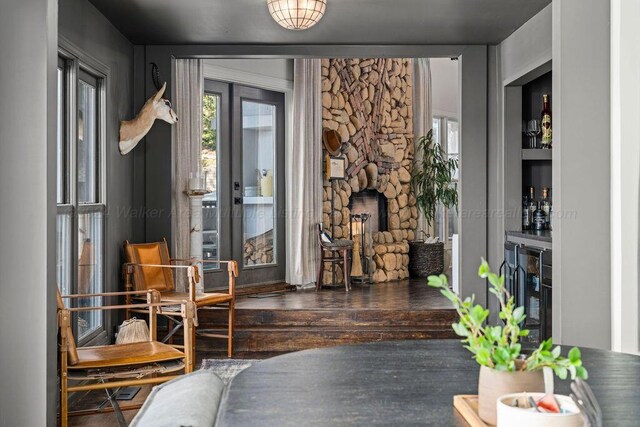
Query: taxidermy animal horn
[
  {"x": 156, "y": 107},
  {"x": 160, "y": 92}
]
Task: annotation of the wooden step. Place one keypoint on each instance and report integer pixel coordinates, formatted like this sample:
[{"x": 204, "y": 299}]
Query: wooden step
[
  {"x": 294, "y": 339},
  {"x": 329, "y": 318}
]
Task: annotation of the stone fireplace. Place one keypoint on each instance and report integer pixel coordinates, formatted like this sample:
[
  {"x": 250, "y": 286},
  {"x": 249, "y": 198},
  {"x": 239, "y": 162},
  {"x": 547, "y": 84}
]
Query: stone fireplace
[
  {"x": 373, "y": 202},
  {"x": 369, "y": 103}
]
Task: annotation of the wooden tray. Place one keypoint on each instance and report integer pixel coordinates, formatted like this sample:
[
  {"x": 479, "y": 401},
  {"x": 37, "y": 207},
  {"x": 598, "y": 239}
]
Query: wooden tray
[{"x": 467, "y": 405}]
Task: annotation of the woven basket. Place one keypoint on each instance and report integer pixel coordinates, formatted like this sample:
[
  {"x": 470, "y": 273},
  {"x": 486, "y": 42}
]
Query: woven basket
[{"x": 425, "y": 259}]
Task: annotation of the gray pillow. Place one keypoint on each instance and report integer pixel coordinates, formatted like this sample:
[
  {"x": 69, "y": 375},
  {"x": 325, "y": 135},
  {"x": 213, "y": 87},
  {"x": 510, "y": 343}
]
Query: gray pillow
[{"x": 189, "y": 401}]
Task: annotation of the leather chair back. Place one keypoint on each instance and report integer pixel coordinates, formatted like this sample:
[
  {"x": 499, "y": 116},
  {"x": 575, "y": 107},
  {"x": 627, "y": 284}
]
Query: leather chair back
[{"x": 145, "y": 278}]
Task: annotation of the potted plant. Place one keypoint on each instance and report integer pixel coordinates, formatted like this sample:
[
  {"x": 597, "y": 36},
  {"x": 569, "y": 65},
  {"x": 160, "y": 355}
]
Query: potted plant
[
  {"x": 431, "y": 184},
  {"x": 504, "y": 368}
]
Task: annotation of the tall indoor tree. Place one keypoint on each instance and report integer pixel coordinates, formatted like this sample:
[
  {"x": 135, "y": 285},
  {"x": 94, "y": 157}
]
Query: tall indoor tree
[{"x": 431, "y": 177}]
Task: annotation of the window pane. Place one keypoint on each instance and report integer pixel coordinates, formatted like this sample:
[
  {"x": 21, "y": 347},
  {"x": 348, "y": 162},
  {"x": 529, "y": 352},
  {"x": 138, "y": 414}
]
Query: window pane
[
  {"x": 452, "y": 137},
  {"x": 453, "y": 221},
  {"x": 258, "y": 163},
  {"x": 87, "y": 143},
  {"x": 60, "y": 166},
  {"x": 210, "y": 222},
  {"x": 436, "y": 130},
  {"x": 439, "y": 222},
  {"x": 90, "y": 269},
  {"x": 63, "y": 252},
  {"x": 455, "y": 176}
]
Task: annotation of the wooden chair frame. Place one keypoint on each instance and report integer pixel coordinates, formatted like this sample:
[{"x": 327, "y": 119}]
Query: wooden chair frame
[
  {"x": 193, "y": 274},
  {"x": 333, "y": 255},
  {"x": 67, "y": 345}
]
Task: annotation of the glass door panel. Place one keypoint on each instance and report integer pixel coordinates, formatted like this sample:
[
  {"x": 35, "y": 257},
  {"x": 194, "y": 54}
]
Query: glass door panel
[
  {"x": 209, "y": 158},
  {"x": 258, "y": 171},
  {"x": 529, "y": 292}
]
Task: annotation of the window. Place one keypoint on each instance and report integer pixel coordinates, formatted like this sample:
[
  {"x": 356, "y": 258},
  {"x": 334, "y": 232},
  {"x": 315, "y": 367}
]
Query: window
[
  {"x": 80, "y": 224},
  {"x": 445, "y": 133}
]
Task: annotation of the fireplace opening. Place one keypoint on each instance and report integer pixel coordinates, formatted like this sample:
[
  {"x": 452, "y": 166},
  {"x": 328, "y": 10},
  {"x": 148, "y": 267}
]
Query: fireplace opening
[{"x": 374, "y": 203}]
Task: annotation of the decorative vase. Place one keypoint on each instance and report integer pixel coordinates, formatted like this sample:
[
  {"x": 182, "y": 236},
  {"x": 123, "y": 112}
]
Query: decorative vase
[{"x": 493, "y": 384}]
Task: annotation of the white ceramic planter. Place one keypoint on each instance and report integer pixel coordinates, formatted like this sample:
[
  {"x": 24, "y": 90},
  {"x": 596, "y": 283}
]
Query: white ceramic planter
[{"x": 508, "y": 416}]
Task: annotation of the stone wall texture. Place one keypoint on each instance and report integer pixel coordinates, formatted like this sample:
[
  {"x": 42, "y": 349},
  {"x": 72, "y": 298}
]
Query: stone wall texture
[{"x": 370, "y": 103}]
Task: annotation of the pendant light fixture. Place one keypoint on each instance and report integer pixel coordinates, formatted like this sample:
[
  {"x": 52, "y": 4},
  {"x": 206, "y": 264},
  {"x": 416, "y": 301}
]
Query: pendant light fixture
[{"x": 297, "y": 14}]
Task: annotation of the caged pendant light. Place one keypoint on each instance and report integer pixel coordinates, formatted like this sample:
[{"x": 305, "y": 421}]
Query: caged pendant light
[{"x": 297, "y": 14}]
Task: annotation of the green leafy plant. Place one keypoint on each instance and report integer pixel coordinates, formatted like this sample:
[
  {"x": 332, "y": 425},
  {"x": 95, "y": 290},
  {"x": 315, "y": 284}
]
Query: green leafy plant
[
  {"x": 431, "y": 177},
  {"x": 498, "y": 347}
]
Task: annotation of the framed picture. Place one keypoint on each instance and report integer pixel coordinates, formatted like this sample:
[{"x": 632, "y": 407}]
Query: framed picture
[{"x": 335, "y": 168}]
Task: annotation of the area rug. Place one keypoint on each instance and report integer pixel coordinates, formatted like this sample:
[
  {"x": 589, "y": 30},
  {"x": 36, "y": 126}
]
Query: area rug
[{"x": 227, "y": 369}]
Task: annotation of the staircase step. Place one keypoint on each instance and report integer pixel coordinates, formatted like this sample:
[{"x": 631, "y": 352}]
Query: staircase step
[
  {"x": 293, "y": 339},
  {"x": 329, "y": 318}
]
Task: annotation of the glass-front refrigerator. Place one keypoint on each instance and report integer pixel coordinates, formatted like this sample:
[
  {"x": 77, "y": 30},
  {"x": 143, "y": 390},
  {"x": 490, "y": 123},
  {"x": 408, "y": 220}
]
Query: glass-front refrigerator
[{"x": 534, "y": 292}]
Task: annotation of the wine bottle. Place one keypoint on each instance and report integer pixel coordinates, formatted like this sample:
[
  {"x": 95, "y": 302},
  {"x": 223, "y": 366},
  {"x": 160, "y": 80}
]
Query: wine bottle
[
  {"x": 526, "y": 223},
  {"x": 532, "y": 206},
  {"x": 545, "y": 205},
  {"x": 539, "y": 220},
  {"x": 546, "y": 122}
]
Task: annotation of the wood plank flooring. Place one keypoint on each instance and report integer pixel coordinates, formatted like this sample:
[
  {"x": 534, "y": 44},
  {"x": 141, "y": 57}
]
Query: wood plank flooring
[
  {"x": 290, "y": 321},
  {"x": 286, "y": 320}
]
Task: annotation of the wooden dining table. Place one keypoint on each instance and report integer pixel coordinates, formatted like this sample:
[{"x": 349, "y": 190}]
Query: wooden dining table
[{"x": 397, "y": 383}]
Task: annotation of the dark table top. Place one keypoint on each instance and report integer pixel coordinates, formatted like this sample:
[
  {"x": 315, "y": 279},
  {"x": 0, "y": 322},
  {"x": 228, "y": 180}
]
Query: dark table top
[{"x": 397, "y": 383}]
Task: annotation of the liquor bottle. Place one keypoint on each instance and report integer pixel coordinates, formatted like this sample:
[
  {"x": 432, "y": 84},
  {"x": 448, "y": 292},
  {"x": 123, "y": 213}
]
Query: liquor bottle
[
  {"x": 526, "y": 219},
  {"x": 546, "y": 122},
  {"x": 545, "y": 205},
  {"x": 539, "y": 220},
  {"x": 532, "y": 206}
]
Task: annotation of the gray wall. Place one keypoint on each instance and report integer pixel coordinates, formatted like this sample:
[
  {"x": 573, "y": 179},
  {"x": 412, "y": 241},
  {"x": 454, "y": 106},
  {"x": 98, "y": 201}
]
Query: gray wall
[
  {"x": 27, "y": 216},
  {"x": 473, "y": 169},
  {"x": 93, "y": 37},
  {"x": 581, "y": 173}
]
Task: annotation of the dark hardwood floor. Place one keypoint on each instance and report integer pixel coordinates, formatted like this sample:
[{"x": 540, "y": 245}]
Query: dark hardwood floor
[
  {"x": 290, "y": 321},
  {"x": 285, "y": 320}
]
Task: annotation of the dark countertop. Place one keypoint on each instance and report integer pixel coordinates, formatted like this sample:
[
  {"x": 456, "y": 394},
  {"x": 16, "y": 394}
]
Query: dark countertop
[
  {"x": 396, "y": 383},
  {"x": 541, "y": 236}
]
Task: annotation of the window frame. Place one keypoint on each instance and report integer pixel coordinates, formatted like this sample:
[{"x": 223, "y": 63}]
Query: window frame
[
  {"x": 442, "y": 230},
  {"x": 75, "y": 65}
]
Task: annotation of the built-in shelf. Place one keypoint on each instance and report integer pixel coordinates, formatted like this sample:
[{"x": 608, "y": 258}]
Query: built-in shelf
[{"x": 536, "y": 154}]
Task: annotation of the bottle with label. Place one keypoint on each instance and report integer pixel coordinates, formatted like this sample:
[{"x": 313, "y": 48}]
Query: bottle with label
[
  {"x": 526, "y": 220},
  {"x": 532, "y": 206},
  {"x": 539, "y": 220},
  {"x": 546, "y": 122},
  {"x": 545, "y": 205}
]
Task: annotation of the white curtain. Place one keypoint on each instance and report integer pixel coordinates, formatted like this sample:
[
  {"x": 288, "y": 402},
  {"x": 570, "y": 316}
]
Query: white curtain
[
  {"x": 422, "y": 121},
  {"x": 188, "y": 89},
  {"x": 304, "y": 174}
]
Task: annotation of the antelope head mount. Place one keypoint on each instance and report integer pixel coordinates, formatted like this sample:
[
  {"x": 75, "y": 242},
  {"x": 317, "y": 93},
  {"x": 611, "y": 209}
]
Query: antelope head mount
[{"x": 156, "y": 107}]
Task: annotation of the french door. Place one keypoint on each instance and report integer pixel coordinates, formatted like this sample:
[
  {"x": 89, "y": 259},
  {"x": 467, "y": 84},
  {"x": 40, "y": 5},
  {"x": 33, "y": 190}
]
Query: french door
[{"x": 243, "y": 158}]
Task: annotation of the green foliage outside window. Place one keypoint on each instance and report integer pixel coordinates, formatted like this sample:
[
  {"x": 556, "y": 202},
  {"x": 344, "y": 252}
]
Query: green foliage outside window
[{"x": 209, "y": 135}]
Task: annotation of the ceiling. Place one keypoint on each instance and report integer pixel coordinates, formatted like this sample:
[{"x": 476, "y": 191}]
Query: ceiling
[{"x": 345, "y": 21}]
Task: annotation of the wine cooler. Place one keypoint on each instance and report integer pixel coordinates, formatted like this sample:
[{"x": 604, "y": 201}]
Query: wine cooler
[{"x": 528, "y": 273}]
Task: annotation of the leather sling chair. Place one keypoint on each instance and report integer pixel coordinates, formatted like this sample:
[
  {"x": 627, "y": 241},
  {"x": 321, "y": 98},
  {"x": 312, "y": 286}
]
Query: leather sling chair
[
  {"x": 148, "y": 266},
  {"x": 108, "y": 367}
]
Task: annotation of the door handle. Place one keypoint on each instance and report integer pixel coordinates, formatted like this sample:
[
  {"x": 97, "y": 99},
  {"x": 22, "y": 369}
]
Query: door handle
[{"x": 237, "y": 200}]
